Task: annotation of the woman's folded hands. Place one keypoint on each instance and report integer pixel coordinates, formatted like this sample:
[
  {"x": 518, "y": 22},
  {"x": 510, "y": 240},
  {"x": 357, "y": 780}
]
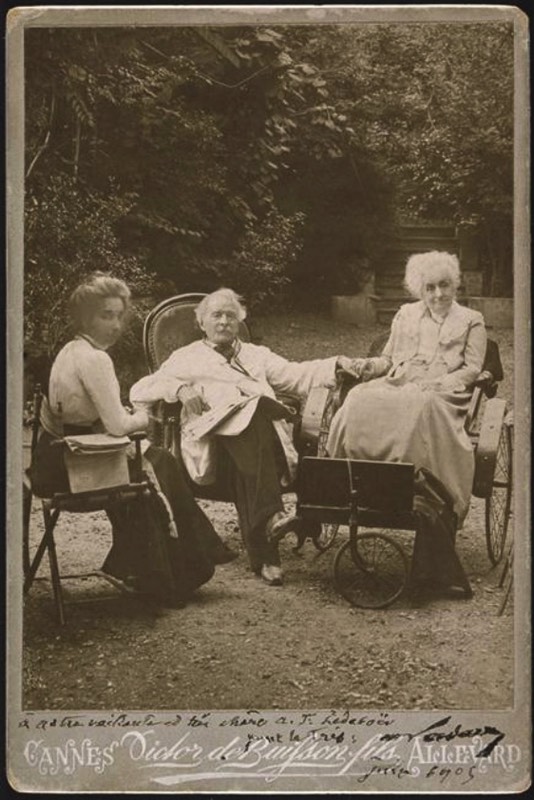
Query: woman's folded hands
[{"x": 366, "y": 369}]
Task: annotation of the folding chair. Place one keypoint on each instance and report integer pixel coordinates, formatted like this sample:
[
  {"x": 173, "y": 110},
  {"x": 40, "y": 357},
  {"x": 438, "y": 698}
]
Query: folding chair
[{"x": 98, "y": 499}]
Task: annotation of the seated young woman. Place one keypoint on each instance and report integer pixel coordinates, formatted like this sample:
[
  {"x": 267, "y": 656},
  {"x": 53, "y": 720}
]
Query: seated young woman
[
  {"x": 168, "y": 548},
  {"x": 414, "y": 408}
]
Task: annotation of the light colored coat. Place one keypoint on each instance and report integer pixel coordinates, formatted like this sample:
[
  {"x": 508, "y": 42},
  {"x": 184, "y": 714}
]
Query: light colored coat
[
  {"x": 396, "y": 419},
  {"x": 462, "y": 339},
  {"x": 220, "y": 382}
]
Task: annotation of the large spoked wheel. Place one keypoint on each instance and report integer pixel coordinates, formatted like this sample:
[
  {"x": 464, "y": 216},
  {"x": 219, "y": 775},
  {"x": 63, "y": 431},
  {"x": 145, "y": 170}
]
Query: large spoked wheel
[
  {"x": 371, "y": 570},
  {"x": 499, "y": 502}
]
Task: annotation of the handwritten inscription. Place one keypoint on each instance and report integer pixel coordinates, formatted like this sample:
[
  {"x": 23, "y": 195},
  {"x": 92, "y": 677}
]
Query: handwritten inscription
[
  {"x": 435, "y": 733},
  {"x": 121, "y": 720},
  {"x": 251, "y": 718}
]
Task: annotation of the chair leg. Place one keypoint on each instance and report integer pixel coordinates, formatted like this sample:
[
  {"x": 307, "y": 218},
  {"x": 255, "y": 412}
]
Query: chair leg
[
  {"x": 26, "y": 514},
  {"x": 48, "y": 543},
  {"x": 56, "y": 581},
  {"x": 50, "y": 521}
]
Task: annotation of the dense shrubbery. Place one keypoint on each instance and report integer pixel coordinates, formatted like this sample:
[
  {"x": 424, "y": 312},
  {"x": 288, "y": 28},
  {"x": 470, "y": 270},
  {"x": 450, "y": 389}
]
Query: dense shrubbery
[
  {"x": 69, "y": 233},
  {"x": 259, "y": 270},
  {"x": 271, "y": 159}
]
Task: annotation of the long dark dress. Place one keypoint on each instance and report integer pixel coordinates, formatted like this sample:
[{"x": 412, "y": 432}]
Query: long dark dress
[{"x": 164, "y": 541}]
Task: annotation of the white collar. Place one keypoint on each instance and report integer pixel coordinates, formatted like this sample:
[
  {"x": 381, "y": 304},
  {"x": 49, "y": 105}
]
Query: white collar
[{"x": 91, "y": 341}]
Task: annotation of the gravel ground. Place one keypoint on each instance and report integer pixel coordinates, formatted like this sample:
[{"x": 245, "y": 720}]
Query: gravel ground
[{"x": 242, "y": 644}]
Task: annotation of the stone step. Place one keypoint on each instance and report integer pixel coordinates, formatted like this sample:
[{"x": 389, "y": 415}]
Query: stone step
[
  {"x": 392, "y": 295},
  {"x": 385, "y": 282},
  {"x": 437, "y": 230},
  {"x": 424, "y": 238},
  {"x": 389, "y": 280},
  {"x": 385, "y": 317},
  {"x": 390, "y": 273},
  {"x": 398, "y": 254}
]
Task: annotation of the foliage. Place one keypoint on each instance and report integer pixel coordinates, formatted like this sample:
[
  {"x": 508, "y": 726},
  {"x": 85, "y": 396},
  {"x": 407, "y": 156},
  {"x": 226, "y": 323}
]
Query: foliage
[
  {"x": 68, "y": 234},
  {"x": 275, "y": 158},
  {"x": 433, "y": 106},
  {"x": 259, "y": 269}
]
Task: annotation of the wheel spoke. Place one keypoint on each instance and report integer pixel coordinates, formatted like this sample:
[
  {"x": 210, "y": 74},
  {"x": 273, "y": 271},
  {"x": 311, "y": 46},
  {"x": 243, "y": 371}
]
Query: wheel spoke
[
  {"x": 498, "y": 504},
  {"x": 370, "y": 570}
]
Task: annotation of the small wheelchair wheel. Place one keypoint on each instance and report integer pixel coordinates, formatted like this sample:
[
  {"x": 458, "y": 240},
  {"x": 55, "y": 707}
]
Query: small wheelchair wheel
[
  {"x": 370, "y": 570},
  {"x": 498, "y": 503},
  {"x": 325, "y": 537},
  {"x": 322, "y": 535}
]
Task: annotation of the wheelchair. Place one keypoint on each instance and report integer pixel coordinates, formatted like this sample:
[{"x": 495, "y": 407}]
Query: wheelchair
[
  {"x": 374, "y": 499},
  {"x": 371, "y": 569}
]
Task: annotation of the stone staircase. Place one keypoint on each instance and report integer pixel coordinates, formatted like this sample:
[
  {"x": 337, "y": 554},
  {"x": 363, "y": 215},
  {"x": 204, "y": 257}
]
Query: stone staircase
[{"x": 411, "y": 238}]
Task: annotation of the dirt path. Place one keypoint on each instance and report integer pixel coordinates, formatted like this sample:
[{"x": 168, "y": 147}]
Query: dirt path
[{"x": 241, "y": 644}]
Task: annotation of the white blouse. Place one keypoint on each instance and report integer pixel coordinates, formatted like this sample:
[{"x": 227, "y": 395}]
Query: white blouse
[{"x": 83, "y": 389}]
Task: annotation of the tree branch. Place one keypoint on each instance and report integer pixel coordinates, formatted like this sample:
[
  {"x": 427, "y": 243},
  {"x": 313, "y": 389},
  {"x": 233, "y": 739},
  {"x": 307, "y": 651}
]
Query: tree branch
[
  {"x": 77, "y": 138},
  {"x": 47, "y": 137},
  {"x": 208, "y": 77}
]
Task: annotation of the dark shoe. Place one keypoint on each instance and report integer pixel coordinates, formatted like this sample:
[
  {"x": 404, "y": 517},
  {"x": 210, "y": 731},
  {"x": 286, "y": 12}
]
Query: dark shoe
[
  {"x": 133, "y": 584},
  {"x": 271, "y": 574},
  {"x": 278, "y": 525},
  {"x": 457, "y": 591},
  {"x": 129, "y": 584}
]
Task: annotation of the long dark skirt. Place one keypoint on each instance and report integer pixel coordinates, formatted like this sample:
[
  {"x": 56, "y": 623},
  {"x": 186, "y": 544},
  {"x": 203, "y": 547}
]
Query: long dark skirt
[{"x": 165, "y": 564}]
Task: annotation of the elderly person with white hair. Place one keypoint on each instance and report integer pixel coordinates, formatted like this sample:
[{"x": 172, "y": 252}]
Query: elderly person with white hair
[
  {"x": 252, "y": 447},
  {"x": 415, "y": 410}
]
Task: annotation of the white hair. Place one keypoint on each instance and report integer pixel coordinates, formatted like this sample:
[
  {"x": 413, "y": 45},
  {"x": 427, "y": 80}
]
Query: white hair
[
  {"x": 225, "y": 294},
  {"x": 418, "y": 264}
]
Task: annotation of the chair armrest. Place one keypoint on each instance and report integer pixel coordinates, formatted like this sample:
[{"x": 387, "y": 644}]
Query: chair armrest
[
  {"x": 291, "y": 401},
  {"x": 486, "y": 381},
  {"x": 485, "y": 377},
  {"x": 138, "y": 436},
  {"x": 166, "y": 412},
  {"x": 163, "y": 418}
]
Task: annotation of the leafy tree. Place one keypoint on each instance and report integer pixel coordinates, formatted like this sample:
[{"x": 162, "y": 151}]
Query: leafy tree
[
  {"x": 432, "y": 106},
  {"x": 271, "y": 157}
]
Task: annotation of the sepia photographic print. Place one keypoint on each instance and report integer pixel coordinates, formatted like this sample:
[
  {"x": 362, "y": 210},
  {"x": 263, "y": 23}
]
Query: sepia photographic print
[{"x": 268, "y": 286}]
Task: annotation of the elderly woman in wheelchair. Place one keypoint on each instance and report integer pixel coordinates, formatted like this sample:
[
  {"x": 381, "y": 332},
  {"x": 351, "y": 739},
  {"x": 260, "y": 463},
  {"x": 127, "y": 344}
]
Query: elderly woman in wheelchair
[
  {"x": 241, "y": 435},
  {"x": 412, "y": 400},
  {"x": 176, "y": 539}
]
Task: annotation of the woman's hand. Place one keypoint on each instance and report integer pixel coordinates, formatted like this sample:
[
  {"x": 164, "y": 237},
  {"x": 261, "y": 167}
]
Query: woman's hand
[
  {"x": 352, "y": 366},
  {"x": 192, "y": 400},
  {"x": 141, "y": 417},
  {"x": 366, "y": 369}
]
